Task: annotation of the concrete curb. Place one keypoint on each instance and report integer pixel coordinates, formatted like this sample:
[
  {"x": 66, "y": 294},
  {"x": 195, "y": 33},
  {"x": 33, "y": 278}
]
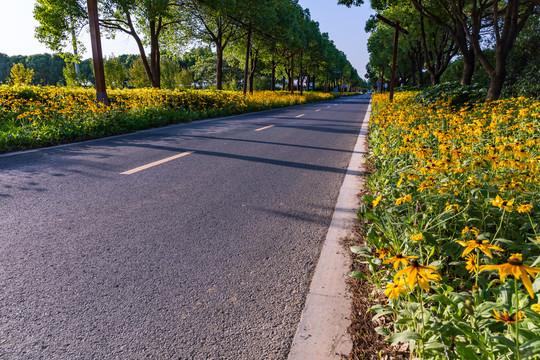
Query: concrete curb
[{"x": 322, "y": 331}]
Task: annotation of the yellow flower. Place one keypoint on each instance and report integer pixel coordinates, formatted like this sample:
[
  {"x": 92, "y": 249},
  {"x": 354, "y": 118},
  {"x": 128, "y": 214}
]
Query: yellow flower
[
  {"x": 482, "y": 245},
  {"x": 451, "y": 206},
  {"x": 503, "y": 204},
  {"x": 417, "y": 273},
  {"x": 516, "y": 267},
  {"x": 524, "y": 208},
  {"x": 536, "y": 307},
  {"x": 472, "y": 263},
  {"x": 383, "y": 252},
  {"x": 399, "y": 259},
  {"x": 506, "y": 318},
  {"x": 417, "y": 237},
  {"x": 406, "y": 198},
  {"x": 393, "y": 290},
  {"x": 472, "y": 230},
  {"x": 376, "y": 201},
  {"x": 400, "y": 180}
]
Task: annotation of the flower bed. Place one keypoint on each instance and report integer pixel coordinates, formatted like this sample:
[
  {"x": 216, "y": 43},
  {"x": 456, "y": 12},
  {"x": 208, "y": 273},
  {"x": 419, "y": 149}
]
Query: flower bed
[
  {"x": 453, "y": 237},
  {"x": 41, "y": 116}
]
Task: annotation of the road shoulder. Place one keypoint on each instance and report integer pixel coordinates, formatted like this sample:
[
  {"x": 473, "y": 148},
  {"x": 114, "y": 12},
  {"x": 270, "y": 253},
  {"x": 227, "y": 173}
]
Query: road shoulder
[{"x": 322, "y": 331}]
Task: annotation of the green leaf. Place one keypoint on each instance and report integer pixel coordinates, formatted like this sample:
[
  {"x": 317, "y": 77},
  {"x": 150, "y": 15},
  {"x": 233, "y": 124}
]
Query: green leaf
[
  {"x": 360, "y": 250},
  {"x": 434, "y": 345},
  {"x": 371, "y": 216},
  {"x": 506, "y": 342},
  {"x": 442, "y": 299},
  {"x": 403, "y": 337},
  {"x": 403, "y": 321},
  {"x": 382, "y": 313},
  {"x": 358, "y": 275},
  {"x": 466, "y": 351},
  {"x": 383, "y": 331},
  {"x": 530, "y": 348}
]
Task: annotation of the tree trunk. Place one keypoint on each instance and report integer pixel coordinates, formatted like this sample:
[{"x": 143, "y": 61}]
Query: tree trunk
[
  {"x": 251, "y": 74},
  {"x": 435, "y": 78},
  {"x": 247, "y": 60},
  {"x": 313, "y": 79},
  {"x": 75, "y": 52},
  {"x": 308, "y": 82},
  {"x": 219, "y": 67},
  {"x": 291, "y": 77},
  {"x": 497, "y": 77},
  {"x": 413, "y": 70},
  {"x": 254, "y": 58},
  {"x": 468, "y": 68},
  {"x": 273, "y": 77},
  {"x": 326, "y": 84},
  {"x": 155, "y": 57}
]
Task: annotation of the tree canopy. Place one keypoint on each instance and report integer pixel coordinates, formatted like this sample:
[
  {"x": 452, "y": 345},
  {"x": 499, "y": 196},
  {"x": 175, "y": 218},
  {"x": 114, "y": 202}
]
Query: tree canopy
[{"x": 268, "y": 38}]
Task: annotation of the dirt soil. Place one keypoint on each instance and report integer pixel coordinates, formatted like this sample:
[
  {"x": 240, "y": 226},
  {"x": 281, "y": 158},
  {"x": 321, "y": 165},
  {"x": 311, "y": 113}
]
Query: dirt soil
[{"x": 367, "y": 343}]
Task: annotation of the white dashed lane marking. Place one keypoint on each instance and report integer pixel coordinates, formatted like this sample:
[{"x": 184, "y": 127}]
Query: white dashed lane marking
[{"x": 147, "y": 166}]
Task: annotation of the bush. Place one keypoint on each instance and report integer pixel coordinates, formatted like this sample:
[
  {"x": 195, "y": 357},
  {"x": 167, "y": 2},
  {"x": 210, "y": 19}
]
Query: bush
[
  {"x": 458, "y": 94},
  {"x": 20, "y": 75}
]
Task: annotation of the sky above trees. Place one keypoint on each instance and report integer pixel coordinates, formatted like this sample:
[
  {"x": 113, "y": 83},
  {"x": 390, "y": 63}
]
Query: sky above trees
[{"x": 344, "y": 25}]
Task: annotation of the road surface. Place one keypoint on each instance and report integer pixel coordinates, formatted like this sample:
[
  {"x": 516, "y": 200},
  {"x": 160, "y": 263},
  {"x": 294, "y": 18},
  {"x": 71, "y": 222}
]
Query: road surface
[{"x": 194, "y": 241}]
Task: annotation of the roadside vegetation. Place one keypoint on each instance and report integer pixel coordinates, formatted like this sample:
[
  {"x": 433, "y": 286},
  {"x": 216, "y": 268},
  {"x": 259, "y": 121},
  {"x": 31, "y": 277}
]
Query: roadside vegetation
[
  {"x": 452, "y": 232},
  {"x": 34, "y": 116}
]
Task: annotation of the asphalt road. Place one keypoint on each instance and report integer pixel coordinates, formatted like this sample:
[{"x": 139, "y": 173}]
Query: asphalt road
[{"x": 208, "y": 255}]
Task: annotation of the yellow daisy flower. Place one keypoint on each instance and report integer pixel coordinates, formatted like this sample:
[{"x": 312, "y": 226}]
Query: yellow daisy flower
[
  {"x": 482, "y": 245},
  {"x": 417, "y": 273},
  {"x": 472, "y": 230},
  {"x": 472, "y": 263},
  {"x": 524, "y": 208},
  {"x": 417, "y": 237},
  {"x": 376, "y": 201},
  {"x": 507, "y": 205},
  {"x": 399, "y": 259},
  {"x": 393, "y": 290},
  {"x": 516, "y": 267},
  {"x": 404, "y": 199},
  {"x": 506, "y": 318}
]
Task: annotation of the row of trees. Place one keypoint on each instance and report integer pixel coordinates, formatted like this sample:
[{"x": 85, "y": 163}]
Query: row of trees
[
  {"x": 271, "y": 37},
  {"x": 48, "y": 69},
  {"x": 493, "y": 35}
]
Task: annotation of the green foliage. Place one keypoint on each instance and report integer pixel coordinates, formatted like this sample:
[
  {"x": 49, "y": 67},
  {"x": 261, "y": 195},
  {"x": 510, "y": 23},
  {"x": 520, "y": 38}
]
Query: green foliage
[
  {"x": 170, "y": 74},
  {"x": 137, "y": 75},
  {"x": 42, "y": 116},
  {"x": 115, "y": 73},
  {"x": 459, "y": 95},
  {"x": 454, "y": 168},
  {"x": 71, "y": 76},
  {"x": 185, "y": 79},
  {"x": 20, "y": 75}
]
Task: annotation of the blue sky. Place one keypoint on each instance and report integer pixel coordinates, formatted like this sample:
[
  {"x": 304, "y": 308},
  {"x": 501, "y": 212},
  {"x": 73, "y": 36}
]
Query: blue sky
[{"x": 344, "y": 25}]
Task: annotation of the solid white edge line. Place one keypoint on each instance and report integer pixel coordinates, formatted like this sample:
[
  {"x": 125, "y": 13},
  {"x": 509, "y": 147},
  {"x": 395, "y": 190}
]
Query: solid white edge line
[
  {"x": 322, "y": 331},
  {"x": 147, "y": 166},
  {"x": 263, "y": 128}
]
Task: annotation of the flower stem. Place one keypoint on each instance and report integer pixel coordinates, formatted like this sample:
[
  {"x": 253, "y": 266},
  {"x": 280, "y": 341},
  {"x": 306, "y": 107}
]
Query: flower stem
[
  {"x": 500, "y": 226},
  {"x": 532, "y": 225},
  {"x": 422, "y": 318},
  {"x": 518, "y": 357}
]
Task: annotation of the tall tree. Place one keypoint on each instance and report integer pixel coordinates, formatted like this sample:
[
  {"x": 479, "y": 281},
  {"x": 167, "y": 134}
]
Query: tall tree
[
  {"x": 213, "y": 25},
  {"x": 58, "y": 25},
  {"x": 505, "y": 19}
]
